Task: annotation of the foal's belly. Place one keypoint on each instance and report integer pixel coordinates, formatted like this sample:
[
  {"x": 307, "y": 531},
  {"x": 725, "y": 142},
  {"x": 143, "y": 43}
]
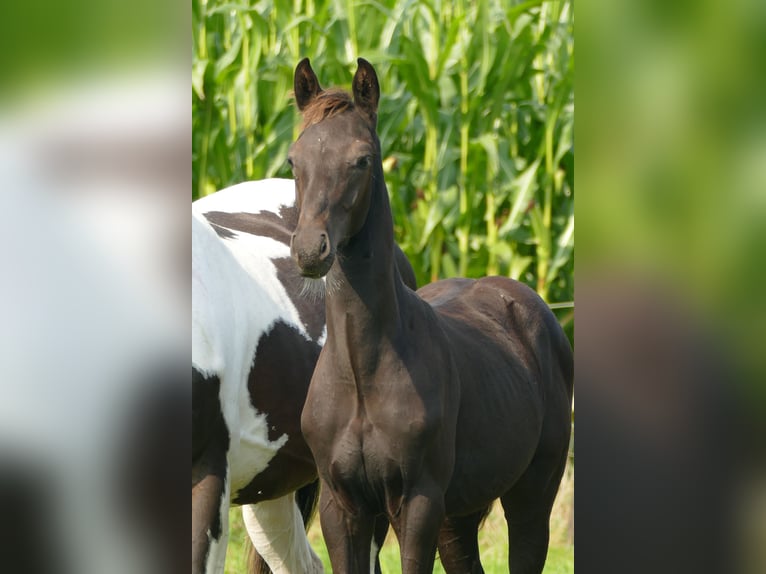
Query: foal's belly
[
  {"x": 473, "y": 488},
  {"x": 488, "y": 462}
]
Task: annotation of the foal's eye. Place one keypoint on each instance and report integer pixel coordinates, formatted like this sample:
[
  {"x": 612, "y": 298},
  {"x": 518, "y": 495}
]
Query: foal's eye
[
  {"x": 362, "y": 162},
  {"x": 290, "y": 162}
]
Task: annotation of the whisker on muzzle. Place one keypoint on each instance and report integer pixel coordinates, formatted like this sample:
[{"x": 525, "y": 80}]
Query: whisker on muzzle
[
  {"x": 313, "y": 289},
  {"x": 333, "y": 283},
  {"x": 316, "y": 289}
]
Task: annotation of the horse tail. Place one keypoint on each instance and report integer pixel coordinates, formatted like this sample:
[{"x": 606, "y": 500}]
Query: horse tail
[
  {"x": 485, "y": 514},
  {"x": 306, "y": 498}
]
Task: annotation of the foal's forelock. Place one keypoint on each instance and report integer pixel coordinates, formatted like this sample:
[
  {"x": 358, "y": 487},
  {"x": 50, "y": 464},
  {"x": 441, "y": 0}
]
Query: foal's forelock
[{"x": 327, "y": 104}]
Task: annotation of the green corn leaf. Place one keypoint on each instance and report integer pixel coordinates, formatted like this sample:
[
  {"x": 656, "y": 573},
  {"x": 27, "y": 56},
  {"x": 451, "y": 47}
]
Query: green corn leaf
[
  {"x": 444, "y": 207},
  {"x": 523, "y": 189},
  {"x": 198, "y": 77},
  {"x": 513, "y": 61}
]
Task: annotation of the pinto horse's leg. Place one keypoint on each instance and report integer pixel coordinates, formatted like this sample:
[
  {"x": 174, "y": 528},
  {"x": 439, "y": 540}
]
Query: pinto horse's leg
[
  {"x": 277, "y": 532},
  {"x": 417, "y": 529},
  {"x": 349, "y": 537},
  {"x": 459, "y": 544},
  {"x": 210, "y": 524},
  {"x": 210, "y": 476}
]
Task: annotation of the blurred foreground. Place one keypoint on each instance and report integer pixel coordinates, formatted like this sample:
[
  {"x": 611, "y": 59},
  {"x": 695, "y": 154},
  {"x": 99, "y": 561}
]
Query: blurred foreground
[
  {"x": 671, "y": 317},
  {"x": 94, "y": 303}
]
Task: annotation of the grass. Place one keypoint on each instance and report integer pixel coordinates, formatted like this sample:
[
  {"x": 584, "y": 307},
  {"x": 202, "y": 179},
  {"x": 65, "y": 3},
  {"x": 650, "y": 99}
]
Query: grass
[{"x": 492, "y": 541}]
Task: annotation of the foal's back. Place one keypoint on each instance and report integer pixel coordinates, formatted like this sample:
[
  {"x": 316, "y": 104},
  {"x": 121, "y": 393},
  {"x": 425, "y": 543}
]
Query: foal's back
[{"x": 515, "y": 371}]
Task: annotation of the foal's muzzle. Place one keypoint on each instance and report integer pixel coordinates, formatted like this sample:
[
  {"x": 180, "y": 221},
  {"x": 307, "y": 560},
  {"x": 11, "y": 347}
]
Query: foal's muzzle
[{"x": 312, "y": 251}]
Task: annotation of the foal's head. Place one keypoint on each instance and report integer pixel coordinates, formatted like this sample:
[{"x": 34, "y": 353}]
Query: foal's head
[{"x": 334, "y": 161}]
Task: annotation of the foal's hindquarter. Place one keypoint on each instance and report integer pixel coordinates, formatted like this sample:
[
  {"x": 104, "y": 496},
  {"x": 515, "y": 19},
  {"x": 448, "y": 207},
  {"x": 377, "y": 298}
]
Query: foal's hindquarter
[{"x": 515, "y": 371}]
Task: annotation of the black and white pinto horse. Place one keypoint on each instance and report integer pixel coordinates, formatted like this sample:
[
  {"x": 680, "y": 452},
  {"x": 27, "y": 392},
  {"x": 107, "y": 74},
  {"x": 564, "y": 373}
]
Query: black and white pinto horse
[
  {"x": 254, "y": 343},
  {"x": 257, "y": 329}
]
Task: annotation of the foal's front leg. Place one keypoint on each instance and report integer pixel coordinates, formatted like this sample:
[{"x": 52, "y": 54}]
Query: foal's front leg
[
  {"x": 348, "y": 536},
  {"x": 417, "y": 528}
]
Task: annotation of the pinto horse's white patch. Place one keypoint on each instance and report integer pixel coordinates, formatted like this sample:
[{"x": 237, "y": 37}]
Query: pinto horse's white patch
[
  {"x": 276, "y": 529},
  {"x": 255, "y": 449},
  {"x": 249, "y": 197}
]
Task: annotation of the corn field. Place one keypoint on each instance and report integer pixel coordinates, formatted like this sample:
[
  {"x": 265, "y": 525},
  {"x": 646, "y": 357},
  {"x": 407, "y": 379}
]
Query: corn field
[{"x": 476, "y": 119}]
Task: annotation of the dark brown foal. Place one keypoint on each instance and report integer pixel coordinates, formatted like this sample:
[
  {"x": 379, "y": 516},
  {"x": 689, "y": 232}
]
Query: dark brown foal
[{"x": 423, "y": 407}]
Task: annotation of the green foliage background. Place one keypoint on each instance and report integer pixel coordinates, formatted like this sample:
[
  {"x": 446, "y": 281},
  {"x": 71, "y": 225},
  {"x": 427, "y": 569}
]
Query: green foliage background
[{"x": 476, "y": 119}]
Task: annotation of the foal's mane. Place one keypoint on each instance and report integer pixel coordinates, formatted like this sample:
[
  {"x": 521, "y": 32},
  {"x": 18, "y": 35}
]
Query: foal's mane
[{"x": 325, "y": 105}]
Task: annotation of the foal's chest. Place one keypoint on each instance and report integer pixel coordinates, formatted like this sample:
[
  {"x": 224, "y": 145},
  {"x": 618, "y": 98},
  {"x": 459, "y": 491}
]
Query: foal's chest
[
  {"x": 370, "y": 437},
  {"x": 364, "y": 469}
]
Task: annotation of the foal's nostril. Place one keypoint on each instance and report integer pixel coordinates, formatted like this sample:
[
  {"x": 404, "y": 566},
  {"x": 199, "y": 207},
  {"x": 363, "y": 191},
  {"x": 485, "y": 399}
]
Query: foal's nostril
[{"x": 324, "y": 247}]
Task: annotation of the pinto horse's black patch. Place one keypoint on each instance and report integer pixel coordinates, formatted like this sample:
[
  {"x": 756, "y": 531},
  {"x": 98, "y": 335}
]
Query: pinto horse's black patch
[
  {"x": 309, "y": 308},
  {"x": 287, "y": 359},
  {"x": 223, "y": 232},
  {"x": 262, "y": 224}
]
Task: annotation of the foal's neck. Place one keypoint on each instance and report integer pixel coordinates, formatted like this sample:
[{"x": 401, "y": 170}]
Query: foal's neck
[{"x": 364, "y": 285}]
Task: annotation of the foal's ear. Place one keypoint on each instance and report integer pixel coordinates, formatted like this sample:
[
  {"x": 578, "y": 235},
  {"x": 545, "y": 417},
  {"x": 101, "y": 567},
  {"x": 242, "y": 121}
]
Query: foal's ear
[
  {"x": 305, "y": 84},
  {"x": 365, "y": 88}
]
